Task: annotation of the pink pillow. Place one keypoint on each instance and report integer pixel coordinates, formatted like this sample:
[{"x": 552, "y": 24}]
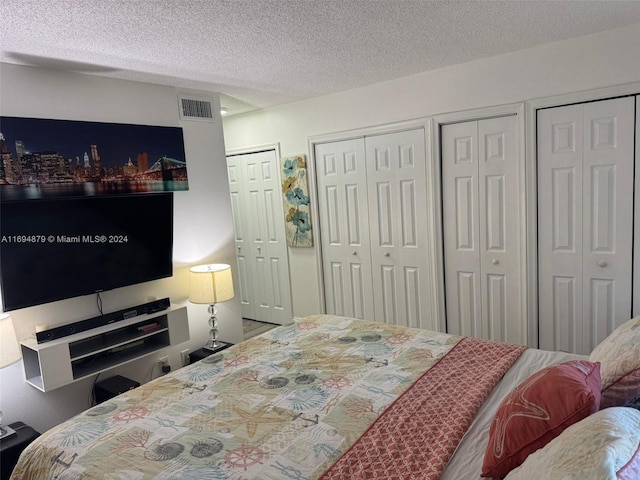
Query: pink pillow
[{"x": 538, "y": 410}]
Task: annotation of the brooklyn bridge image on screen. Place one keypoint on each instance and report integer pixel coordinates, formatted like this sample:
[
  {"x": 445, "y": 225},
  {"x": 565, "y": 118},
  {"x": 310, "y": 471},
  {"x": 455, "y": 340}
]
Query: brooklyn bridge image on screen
[{"x": 41, "y": 157}]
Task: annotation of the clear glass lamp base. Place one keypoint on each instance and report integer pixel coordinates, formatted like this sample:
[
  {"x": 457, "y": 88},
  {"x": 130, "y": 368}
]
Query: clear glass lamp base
[
  {"x": 214, "y": 344},
  {"x": 218, "y": 346}
]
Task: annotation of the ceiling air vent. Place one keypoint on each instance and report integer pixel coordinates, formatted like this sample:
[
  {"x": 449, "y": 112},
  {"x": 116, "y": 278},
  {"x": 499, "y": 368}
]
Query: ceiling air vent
[{"x": 195, "y": 109}]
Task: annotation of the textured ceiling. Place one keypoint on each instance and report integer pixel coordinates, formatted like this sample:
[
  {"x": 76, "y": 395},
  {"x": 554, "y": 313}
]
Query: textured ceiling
[{"x": 259, "y": 53}]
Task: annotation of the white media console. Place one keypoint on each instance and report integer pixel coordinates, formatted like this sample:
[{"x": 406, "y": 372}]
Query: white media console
[{"x": 59, "y": 362}]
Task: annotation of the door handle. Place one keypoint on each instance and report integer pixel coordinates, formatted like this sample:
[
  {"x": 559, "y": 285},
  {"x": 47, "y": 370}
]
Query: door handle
[
  {"x": 602, "y": 264},
  {"x": 387, "y": 254},
  {"x": 354, "y": 253},
  {"x": 495, "y": 261}
]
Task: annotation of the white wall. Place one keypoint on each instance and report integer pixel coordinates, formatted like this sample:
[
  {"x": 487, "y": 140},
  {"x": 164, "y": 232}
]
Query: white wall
[
  {"x": 203, "y": 226},
  {"x": 600, "y": 60}
]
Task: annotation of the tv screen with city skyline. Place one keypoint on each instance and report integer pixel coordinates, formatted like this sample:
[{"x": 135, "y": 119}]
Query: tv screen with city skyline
[{"x": 67, "y": 247}]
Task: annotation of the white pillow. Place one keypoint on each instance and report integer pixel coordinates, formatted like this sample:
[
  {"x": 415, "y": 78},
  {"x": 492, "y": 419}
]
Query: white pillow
[
  {"x": 619, "y": 357},
  {"x": 603, "y": 446}
]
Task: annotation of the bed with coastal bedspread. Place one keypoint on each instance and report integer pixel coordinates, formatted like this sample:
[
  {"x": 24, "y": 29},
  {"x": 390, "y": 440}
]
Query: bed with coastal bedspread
[{"x": 339, "y": 398}]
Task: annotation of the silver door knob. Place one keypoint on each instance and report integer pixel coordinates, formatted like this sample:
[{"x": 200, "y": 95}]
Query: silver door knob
[
  {"x": 602, "y": 263},
  {"x": 495, "y": 261},
  {"x": 354, "y": 253},
  {"x": 387, "y": 254}
]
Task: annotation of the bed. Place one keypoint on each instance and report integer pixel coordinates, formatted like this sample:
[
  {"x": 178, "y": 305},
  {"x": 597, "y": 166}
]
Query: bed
[{"x": 332, "y": 397}]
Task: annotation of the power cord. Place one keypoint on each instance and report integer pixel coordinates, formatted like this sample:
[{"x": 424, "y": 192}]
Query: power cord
[
  {"x": 92, "y": 393},
  {"x": 99, "y": 302}
]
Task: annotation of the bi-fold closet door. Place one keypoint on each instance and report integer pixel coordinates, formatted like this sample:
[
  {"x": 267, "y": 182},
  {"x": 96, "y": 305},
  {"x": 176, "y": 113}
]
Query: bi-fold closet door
[
  {"x": 481, "y": 229},
  {"x": 585, "y": 222},
  {"x": 372, "y": 201},
  {"x": 344, "y": 227},
  {"x": 261, "y": 248}
]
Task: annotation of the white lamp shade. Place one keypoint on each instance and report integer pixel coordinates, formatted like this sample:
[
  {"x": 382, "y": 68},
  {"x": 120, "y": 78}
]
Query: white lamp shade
[
  {"x": 210, "y": 283},
  {"x": 9, "y": 348}
]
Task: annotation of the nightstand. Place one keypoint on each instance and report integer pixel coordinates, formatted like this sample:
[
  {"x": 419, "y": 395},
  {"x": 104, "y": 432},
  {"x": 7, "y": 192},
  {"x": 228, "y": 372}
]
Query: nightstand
[
  {"x": 205, "y": 352},
  {"x": 11, "y": 447}
]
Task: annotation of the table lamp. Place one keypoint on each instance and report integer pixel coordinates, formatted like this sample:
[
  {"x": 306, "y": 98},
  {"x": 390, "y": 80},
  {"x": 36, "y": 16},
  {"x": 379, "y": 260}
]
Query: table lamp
[
  {"x": 10, "y": 353},
  {"x": 211, "y": 284}
]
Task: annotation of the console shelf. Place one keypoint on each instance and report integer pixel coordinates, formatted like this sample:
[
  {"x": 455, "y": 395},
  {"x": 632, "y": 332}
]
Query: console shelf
[{"x": 62, "y": 361}]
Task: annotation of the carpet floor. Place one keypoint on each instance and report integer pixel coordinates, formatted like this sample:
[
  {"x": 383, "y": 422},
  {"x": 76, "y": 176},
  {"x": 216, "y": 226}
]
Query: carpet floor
[{"x": 251, "y": 328}]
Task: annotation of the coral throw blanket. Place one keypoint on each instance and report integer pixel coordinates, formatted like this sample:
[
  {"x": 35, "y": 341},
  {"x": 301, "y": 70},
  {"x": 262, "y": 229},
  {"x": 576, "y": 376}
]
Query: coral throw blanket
[{"x": 417, "y": 435}]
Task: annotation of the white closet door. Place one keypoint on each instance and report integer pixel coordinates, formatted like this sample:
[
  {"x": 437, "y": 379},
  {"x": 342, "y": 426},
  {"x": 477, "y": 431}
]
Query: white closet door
[
  {"x": 397, "y": 201},
  {"x": 261, "y": 244},
  {"x": 585, "y": 222},
  {"x": 608, "y": 223},
  {"x": 500, "y": 230},
  {"x": 344, "y": 226},
  {"x": 560, "y": 206},
  {"x": 461, "y": 227},
  {"x": 241, "y": 222},
  {"x": 482, "y": 229}
]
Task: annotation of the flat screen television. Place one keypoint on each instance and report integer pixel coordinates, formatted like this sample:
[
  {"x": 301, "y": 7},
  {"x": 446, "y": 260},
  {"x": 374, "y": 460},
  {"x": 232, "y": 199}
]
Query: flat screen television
[{"x": 67, "y": 247}]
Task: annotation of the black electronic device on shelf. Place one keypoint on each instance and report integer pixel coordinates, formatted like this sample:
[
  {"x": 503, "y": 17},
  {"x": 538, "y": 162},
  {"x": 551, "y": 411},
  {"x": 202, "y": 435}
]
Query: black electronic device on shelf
[{"x": 47, "y": 334}]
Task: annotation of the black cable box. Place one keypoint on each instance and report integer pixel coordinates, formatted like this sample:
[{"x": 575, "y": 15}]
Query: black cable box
[
  {"x": 83, "y": 325},
  {"x": 112, "y": 386}
]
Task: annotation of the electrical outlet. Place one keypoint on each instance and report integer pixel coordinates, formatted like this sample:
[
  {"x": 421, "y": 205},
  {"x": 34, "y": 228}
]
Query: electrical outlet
[
  {"x": 184, "y": 355},
  {"x": 164, "y": 365}
]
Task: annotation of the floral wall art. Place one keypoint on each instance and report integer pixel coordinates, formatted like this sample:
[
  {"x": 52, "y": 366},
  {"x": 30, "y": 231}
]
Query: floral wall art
[{"x": 295, "y": 189}]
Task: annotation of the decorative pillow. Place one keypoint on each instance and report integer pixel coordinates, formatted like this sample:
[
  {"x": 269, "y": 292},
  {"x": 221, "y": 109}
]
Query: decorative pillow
[
  {"x": 538, "y": 410},
  {"x": 619, "y": 356},
  {"x": 604, "y": 446}
]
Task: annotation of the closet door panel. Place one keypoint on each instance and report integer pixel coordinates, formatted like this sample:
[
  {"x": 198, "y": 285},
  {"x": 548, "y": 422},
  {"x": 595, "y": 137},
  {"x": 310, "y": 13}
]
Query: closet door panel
[
  {"x": 396, "y": 178},
  {"x": 608, "y": 220},
  {"x": 565, "y": 334},
  {"x": 387, "y": 295},
  {"x": 461, "y": 228},
  {"x": 259, "y": 238},
  {"x": 344, "y": 227},
  {"x": 499, "y": 232},
  {"x": 497, "y": 305},
  {"x": 466, "y": 306},
  {"x": 560, "y": 226},
  {"x": 242, "y": 235},
  {"x": 384, "y": 214}
]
